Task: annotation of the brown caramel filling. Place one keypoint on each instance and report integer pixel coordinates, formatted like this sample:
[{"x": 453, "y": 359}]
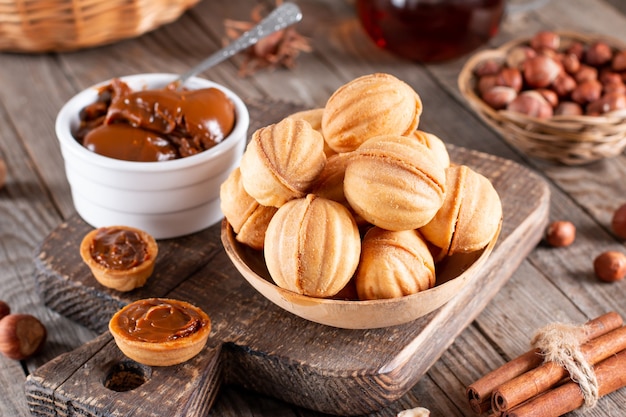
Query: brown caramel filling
[
  {"x": 154, "y": 125},
  {"x": 118, "y": 249},
  {"x": 157, "y": 320}
]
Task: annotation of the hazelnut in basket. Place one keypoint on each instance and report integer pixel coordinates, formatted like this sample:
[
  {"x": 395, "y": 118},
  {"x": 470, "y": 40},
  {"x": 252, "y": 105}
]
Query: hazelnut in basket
[{"x": 559, "y": 96}]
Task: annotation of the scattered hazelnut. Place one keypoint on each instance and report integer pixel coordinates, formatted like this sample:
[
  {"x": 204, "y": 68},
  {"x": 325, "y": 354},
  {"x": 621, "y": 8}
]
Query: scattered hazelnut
[
  {"x": 610, "y": 266},
  {"x": 541, "y": 71},
  {"x": 545, "y": 40},
  {"x": 5, "y": 310},
  {"x": 531, "y": 103},
  {"x": 618, "y": 223},
  {"x": 598, "y": 54},
  {"x": 21, "y": 336},
  {"x": 560, "y": 233},
  {"x": 499, "y": 96}
]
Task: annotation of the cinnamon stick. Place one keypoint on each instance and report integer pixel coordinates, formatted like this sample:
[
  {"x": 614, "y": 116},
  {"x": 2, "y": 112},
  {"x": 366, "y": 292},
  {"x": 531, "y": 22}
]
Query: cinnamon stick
[
  {"x": 479, "y": 393},
  {"x": 611, "y": 376},
  {"x": 545, "y": 376}
]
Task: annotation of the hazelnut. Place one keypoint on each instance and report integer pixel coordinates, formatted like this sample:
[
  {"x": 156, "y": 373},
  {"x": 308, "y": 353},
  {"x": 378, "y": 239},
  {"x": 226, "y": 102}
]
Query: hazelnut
[
  {"x": 598, "y": 54},
  {"x": 587, "y": 91},
  {"x": 576, "y": 48},
  {"x": 560, "y": 233},
  {"x": 607, "y": 103},
  {"x": 531, "y": 103},
  {"x": 488, "y": 67},
  {"x": 3, "y": 173},
  {"x": 5, "y": 310},
  {"x": 568, "y": 108},
  {"x": 545, "y": 40},
  {"x": 609, "y": 77},
  {"x": 619, "y": 61},
  {"x": 499, "y": 97},
  {"x": 516, "y": 57},
  {"x": 485, "y": 83},
  {"x": 618, "y": 87},
  {"x": 571, "y": 63},
  {"x": 550, "y": 96},
  {"x": 510, "y": 77},
  {"x": 541, "y": 71},
  {"x": 618, "y": 222},
  {"x": 21, "y": 336},
  {"x": 610, "y": 266},
  {"x": 585, "y": 72},
  {"x": 564, "y": 84}
]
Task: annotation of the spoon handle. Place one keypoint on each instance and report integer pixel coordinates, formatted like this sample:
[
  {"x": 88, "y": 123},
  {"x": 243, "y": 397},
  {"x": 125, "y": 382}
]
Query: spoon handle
[{"x": 284, "y": 15}]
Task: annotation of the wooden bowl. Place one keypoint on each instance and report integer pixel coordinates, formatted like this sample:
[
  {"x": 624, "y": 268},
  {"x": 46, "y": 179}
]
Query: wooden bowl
[
  {"x": 453, "y": 273},
  {"x": 568, "y": 140}
]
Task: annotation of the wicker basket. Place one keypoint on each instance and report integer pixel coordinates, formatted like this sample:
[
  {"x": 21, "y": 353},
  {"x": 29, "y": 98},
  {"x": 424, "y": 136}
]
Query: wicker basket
[
  {"x": 570, "y": 140},
  {"x": 64, "y": 25}
]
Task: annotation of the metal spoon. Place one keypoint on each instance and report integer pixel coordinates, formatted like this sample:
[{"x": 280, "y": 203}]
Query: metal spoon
[{"x": 281, "y": 17}]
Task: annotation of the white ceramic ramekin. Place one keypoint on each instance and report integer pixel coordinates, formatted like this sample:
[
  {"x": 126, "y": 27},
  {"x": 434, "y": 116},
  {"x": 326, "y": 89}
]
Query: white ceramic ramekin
[{"x": 166, "y": 199}]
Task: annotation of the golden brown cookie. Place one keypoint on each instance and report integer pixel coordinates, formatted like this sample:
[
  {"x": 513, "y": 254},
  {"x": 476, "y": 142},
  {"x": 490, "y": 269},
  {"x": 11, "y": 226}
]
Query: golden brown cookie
[
  {"x": 314, "y": 117},
  {"x": 312, "y": 246},
  {"x": 394, "y": 264},
  {"x": 394, "y": 182},
  {"x": 247, "y": 217},
  {"x": 470, "y": 215},
  {"x": 435, "y": 144},
  {"x": 282, "y": 161},
  {"x": 368, "y": 106}
]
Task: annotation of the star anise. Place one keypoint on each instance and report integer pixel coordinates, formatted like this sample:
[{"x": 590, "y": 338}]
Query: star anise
[{"x": 278, "y": 49}]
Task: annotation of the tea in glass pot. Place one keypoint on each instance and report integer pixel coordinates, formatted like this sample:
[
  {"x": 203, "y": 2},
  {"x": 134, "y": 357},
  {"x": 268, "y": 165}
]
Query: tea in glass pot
[{"x": 430, "y": 30}]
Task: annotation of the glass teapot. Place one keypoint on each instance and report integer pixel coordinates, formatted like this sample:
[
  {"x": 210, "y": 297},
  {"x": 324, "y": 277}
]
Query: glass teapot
[{"x": 431, "y": 30}]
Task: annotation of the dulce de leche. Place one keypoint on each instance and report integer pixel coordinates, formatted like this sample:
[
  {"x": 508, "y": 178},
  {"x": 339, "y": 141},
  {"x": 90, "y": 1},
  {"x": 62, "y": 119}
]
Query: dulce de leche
[
  {"x": 119, "y": 257},
  {"x": 159, "y": 320},
  {"x": 160, "y": 331},
  {"x": 154, "y": 125}
]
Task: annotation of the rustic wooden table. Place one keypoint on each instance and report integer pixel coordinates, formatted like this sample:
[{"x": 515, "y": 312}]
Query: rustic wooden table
[{"x": 550, "y": 284}]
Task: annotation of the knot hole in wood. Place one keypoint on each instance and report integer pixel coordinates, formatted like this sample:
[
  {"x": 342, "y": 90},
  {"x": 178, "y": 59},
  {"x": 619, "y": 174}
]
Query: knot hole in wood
[{"x": 127, "y": 376}]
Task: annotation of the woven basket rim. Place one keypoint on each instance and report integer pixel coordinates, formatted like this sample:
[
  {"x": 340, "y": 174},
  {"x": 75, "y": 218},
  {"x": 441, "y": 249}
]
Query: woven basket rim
[{"x": 68, "y": 25}]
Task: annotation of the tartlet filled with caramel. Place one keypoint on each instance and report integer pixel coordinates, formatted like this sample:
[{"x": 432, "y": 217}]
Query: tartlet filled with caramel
[
  {"x": 160, "y": 331},
  {"x": 120, "y": 257}
]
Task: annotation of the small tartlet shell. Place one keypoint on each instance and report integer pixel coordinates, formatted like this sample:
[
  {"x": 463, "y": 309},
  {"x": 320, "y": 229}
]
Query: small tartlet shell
[
  {"x": 123, "y": 279},
  {"x": 166, "y": 353}
]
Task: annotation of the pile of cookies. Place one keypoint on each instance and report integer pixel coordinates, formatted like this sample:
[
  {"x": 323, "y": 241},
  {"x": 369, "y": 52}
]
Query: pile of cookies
[{"x": 353, "y": 201}]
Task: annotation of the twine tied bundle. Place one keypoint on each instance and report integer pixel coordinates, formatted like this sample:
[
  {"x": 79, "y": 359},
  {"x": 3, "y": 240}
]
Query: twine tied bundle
[{"x": 560, "y": 343}]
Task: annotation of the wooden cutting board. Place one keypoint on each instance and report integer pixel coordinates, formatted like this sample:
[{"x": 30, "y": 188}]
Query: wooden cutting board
[{"x": 254, "y": 343}]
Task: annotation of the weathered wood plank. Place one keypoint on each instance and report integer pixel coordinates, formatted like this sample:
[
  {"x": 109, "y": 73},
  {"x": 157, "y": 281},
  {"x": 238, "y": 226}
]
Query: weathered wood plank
[{"x": 273, "y": 352}]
